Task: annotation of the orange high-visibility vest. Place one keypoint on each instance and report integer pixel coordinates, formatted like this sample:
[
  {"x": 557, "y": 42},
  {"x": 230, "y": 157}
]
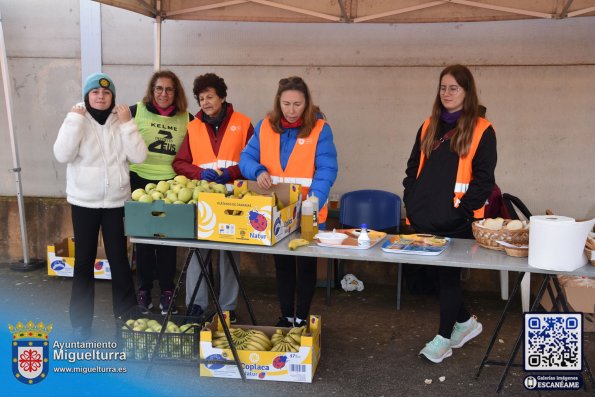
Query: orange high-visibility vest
[
  {"x": 464, "y": 170},
  {"x": 232, "y": 145},
  {"x": 300, "y": 166}
]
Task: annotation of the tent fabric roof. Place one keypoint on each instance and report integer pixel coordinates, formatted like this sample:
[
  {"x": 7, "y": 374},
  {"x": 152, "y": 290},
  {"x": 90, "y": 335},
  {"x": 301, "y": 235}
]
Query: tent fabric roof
[{"x": 357, "y": 11}]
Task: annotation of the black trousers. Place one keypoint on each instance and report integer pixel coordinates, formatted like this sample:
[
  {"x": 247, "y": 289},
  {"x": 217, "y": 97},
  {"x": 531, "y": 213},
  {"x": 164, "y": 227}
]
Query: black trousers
[
  {"x": 154, "y": 260},
  {"x": 86, "y": 223},
  {"x": 296, "y": 283},
  {"x": 452, "y": 307}
]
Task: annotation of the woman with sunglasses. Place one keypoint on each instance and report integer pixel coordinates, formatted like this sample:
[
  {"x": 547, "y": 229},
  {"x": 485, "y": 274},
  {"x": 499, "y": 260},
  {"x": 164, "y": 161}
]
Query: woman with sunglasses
[
  {"x": 294, "y": 141},
  {"x": 450, "y": 175},
  {"x": 162, "y": 120}
]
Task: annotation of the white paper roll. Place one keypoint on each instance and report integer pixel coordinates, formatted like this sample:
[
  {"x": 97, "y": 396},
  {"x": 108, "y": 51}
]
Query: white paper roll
[{"x": 557, "y": 242}]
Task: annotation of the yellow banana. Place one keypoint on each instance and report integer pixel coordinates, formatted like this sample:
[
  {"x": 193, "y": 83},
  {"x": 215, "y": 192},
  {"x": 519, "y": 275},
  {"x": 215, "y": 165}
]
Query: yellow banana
[
  {"x": 294, "y": 338},
  {"x": 296, "y": 243}
]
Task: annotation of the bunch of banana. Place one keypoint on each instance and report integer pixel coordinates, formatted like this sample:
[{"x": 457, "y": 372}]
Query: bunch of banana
[
  {"x": 290, "y": 342},
  {"x": 251, "y": 339},
  {"x": 296, "y": 243}
]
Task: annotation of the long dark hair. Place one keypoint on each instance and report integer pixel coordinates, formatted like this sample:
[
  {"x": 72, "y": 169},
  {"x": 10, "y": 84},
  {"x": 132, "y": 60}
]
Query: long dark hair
[
  {"x": 179, "y": 95},
  {"x": 461, "y": 140},
  {"x": 311, "y": 111}
]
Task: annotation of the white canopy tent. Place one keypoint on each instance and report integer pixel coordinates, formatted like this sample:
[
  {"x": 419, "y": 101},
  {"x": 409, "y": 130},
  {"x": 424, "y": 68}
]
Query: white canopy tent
[{"x": 351, "y": 11}]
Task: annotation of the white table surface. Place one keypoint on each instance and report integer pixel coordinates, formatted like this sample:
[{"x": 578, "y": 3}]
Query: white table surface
[{"x": 461, "y": 253}]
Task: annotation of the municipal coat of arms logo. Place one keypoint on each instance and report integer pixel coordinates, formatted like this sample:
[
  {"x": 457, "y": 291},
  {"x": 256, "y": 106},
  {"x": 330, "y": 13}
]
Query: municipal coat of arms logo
[{"x": 30, "y": 351}]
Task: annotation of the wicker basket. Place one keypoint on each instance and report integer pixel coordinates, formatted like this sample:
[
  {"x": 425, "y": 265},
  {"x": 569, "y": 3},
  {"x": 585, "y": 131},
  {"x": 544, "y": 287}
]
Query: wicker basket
[
  {"x": 488, "y": 238},
  {"x": 517, "y": 252},
  {"x": 589, "y": 254}
]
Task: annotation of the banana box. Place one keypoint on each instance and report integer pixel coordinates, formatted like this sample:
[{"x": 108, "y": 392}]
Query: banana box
[
  {"x": 263, "y": 365},
  {"x": 251, "y": 216},
  {"x": 61, "y": 260}
]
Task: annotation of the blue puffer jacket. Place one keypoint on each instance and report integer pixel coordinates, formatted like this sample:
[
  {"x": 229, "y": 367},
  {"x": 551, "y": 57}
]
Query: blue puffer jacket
[{"x": 326, "y": 166}]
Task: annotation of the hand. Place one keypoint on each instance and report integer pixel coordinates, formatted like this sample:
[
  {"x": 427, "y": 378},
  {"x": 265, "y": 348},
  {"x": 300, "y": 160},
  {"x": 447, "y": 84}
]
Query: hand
[
  {"x": 224, "y": 177},
  {"x": 264, "y": 180},
  {"x": 209, "y": 175},
  {"x": 123, "y": 113},
  {"x": 78, "y": 109}
]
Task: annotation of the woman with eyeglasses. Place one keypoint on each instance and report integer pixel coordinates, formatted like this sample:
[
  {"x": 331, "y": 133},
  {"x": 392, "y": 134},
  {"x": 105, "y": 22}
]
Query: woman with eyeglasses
[
  {"x": 211, "y": 152},
  {"x": 294, "y": 141},
  {"x": 162, "y": 119},
  {"x": 449, "y": 176}
]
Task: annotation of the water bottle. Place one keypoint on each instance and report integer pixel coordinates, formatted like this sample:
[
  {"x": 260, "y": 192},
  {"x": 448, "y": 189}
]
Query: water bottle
[
  {"x": 307, "y": 221},
  {"x": 363, "y": 240}
]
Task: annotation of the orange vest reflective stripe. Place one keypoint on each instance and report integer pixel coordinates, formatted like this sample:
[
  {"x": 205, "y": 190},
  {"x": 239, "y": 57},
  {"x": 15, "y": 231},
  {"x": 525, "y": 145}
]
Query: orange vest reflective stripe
[
  {"x": 300, "y": 166},
  {"x": 232, "y": 145},
  {"x": 464, "y": 170}
]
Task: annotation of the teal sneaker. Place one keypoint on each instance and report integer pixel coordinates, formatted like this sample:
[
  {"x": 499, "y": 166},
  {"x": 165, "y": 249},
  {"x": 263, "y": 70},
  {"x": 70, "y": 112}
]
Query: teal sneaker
[
  {"x": 437, "y": 350},
  {"x": 464, "y": 332}
]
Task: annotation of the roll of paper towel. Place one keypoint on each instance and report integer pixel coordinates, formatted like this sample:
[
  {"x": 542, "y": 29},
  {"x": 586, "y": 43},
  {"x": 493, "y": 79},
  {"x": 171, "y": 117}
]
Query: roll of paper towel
[{"x": 557, "y": 242}]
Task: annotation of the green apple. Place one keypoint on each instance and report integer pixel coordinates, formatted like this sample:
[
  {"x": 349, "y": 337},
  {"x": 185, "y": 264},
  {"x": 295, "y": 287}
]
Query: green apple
[
  {"x": 185, "y": 194},
  {"x": 176, "y": 188},
  {"x": 149, "y": 187},
  {"x": 162, "y": 186},
  {"x": 181, "y": 179},
  {"x": 179, "y": 202},
  {"x": 191, "y": 185},
  {"x": 138, "y": 193},
  {"x": 204, "y": 182},
  {"x": 130, "y": 323},
  {"x": 146, "y": 198},
  {"x": 191, "y": 202},
  {"x": 171, "y": 196},
  {"x": 219, "y": 188},
  {"x": 167, "y": 201},
  {"x": 156, "y": 195}
]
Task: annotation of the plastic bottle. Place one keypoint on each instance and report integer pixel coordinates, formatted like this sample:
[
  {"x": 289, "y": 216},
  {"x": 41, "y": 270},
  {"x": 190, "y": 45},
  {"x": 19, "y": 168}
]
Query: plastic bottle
[
  {"x": 363, "y": 240},
  {"x": 314, "y": 200},
  {"x": 307, "y": 221}
]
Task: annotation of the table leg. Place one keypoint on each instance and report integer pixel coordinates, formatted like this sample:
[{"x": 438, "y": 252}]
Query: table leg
[
  {"x": 242, "y": 290},
  {"x": 500, "y": 322},
  {"x": 234, "y": 352},
  {"x": 517, "y": 344},
  {"x": 329, "y": 270}
]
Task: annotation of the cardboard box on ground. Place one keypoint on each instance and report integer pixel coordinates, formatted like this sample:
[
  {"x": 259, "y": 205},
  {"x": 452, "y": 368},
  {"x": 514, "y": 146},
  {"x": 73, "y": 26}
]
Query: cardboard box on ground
[
  {"x": 60, "y": 258},
  {"x": 580, "y": 294}
]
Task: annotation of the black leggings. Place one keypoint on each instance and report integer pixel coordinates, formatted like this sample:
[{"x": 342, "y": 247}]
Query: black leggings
[
  {"x": 452, "y": 307},
  {"x": 155, "y": 259},
  {"x": 295, "y": 275},
  {"x": 86, "y": 223}
]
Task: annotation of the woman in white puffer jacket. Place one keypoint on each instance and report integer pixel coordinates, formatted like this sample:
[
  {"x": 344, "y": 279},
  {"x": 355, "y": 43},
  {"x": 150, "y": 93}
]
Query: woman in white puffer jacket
[{"x": 97, "y": 140}]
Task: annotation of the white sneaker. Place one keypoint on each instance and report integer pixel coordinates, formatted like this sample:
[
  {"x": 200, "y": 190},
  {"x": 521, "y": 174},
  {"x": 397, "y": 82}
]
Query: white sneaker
[
  {"x": 464, "y": 332},
  {"x": 437, "y": 349}
]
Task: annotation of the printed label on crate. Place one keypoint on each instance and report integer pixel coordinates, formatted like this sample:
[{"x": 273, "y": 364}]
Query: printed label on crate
[
  {"x": 63, "y": 266},
  {"x": 227, "y": 228}
]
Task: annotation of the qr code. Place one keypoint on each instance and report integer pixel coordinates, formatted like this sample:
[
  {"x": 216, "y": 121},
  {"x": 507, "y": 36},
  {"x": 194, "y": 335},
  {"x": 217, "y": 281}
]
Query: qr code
[{"x": 553, "y": 341}]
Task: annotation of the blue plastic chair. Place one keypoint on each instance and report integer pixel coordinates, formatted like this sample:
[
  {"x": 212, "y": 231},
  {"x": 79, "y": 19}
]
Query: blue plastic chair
[{"x": 379, "y": 210}]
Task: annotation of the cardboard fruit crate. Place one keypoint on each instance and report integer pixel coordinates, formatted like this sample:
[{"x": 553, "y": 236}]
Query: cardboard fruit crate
[
  {"x": 158, "y": 219},
  {"x": 139, "y": 345},
  {"x": 264, "y": 365},
  {"x": 60, "y": 258},
  {"x": 251, "y": 219}
]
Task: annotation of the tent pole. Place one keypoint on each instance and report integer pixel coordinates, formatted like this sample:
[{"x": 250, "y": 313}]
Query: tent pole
[
  {"x": 157, "y": 39},
  {"x": 16, "y": 169}
]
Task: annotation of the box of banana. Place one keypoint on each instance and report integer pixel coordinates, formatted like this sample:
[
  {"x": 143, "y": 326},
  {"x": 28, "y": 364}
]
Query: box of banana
[
  {"x": 266, "y": 353},
  {"x": 250, "y": 215}
]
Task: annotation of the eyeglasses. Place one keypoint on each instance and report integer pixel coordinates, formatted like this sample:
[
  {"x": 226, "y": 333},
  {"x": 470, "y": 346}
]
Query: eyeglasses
[
  {"x": 451, "y": 89},
  {"x": 159, "y": 90}
]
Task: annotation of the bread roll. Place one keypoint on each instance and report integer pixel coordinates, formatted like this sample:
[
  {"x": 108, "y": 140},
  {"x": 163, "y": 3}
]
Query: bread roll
[
  {"x": 514, "y": 225},
  {"x": 493, "y": 223}
]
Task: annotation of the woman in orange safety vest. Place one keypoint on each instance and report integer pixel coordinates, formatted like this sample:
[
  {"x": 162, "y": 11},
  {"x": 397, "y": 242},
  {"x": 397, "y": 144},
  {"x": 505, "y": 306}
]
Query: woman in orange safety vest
[{"x": 450, "y": 174}]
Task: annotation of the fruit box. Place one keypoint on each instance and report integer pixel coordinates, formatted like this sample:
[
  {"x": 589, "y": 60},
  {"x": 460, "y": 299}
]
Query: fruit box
[
  {"x": 139, "y": 345},
  {"x": 61, "y": 260},
  {"x": 264, "y": 365},
  {"x": 251, "y": 219},
  {"x": 158, "y": 219}
]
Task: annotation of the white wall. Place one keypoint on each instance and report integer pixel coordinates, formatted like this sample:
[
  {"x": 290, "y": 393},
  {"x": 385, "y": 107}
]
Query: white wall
[{"x": 375, "y": 83}]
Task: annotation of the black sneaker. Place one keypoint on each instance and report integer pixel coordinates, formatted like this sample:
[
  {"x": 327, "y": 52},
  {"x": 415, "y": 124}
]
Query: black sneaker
[
  {"x": 196, "y": 311},
  {"x": 144, "y": 301},
  {"x": 301, "y": 323},
  {"x": 232, "y": 317},
  {"x": 284, "y": 322},
  {"x": 165, "y": 301}
]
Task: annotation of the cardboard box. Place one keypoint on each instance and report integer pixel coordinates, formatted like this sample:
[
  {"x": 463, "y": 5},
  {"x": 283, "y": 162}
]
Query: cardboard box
[
  {"x": 250, "y": 219},
  {"x": 264, "y": 365},
  {"x": 61, "y": 260},
  {"x": 158, "y": 219},
  {"x": 579, "y": 291}
]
